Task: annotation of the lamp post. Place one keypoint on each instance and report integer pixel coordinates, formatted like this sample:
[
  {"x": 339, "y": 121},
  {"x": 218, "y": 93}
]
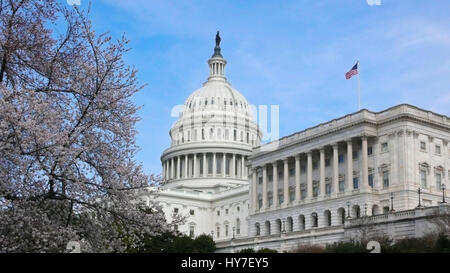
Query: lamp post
[
  {"x": 348, "y": 210},
  {"x": 420, "y": 205},
  {"x": 443, "y": 193},
  {"x": 392, "y": 202}
]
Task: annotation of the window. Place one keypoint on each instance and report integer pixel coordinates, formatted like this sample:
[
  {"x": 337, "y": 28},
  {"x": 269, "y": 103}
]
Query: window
[
  {"x": 218, "y": 231},
  {"x": 438, "y": 181},
  {"x": 192, "y": 231},
  {"x": 437, "y": 150},
  {"x": 291, "y": 196},
  {"x": 327, "y": 162},
  {"x": 291, "y": 172},
  {"x": 423, "y": 178},
  {"x": 303, "y": 194},
  {"x": 218, "y": 213},
  {"x": 355, "y": 155},
  {"x": 327, "y": 189},
  {"x": 341, "y": 186},
  {"x": 280, "y": 198},
  {"x": 369, "y": 150},
  {"x": 385, "y": 179},
  {"x": 314, "y": 165},
  {"x": 270, "y": 200},
  {"x": 384, "y": 147},
  {"x": 175, "y": 227},
  {"x": 260, "y": 180},
  {"x": 260, "y": 202},
  {"x": 226, "y": 211},
  {"x": 175, "y": 210},
  {"x": 315, "y": 190},
  {"x": 371, "y": 180},
  {"x": 355, "y": 182},
  {"x": 238, "y": 209},
  {"x": 238, "y": 226},
  {"x": 341, "y": 158},
  {"x": 423, "y": 146},
  {"x": 234, "y": 135},
  {"x": 191, "y": 212},
  {"x": 226, "y": 230}
]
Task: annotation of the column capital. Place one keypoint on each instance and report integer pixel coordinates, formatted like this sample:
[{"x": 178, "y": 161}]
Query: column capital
[
  {"x": 297, "y": 156},
  {"x": 349, "y": 141},
  {"x": 309, "y": 153},
  {"x": 286, "y": 159},
  {"x": 364, "y": 136},
  {"x": 335, "y": 145}
]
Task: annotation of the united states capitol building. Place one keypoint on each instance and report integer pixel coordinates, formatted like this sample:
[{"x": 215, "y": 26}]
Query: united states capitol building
[{"x": 311, "y": 187}]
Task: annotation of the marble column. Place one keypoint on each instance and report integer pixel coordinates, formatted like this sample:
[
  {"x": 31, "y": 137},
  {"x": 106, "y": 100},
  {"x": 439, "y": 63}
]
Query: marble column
[
  {"x": 195, "y": 175},
  {"x": 322, "y": 172},
  {"x": 186, "y": 163},
  {"x": 243, "y": 167},
  {"x": 178, "y": 166},
  {"x": 349, "y": 165},
  {"x": 214, "y": 171},
  {"x": 205, "y": 171},
  {"x": 275, "y": 184},
  {"x": 264, "y": 189},
  {"x": 335, "y": 168},
  {"x": 224, "y": 164},
  {"x": 286, "y": 181},
  {"x": 297, "y": 178},
  {"x": 233, "y": 167},
  {"x": 365, "y": 167},
  {"x": 172, "y": 169},
  {"x": 309, "y": 175},
  {"x": 254, "y": 190}
]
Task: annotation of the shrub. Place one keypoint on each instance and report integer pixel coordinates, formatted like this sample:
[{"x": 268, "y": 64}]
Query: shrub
[{"x": 309, "y": 249}]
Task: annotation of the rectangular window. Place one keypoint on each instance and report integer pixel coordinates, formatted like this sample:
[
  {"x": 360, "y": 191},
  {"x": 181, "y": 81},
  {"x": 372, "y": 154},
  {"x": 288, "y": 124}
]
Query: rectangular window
[
  {"x": 226, "y": 230},
  {"x": 218, "y": 165},
  {"x": 226, "y": 211},
  {"x": 423, "y": 178},
  {"x": 371, "y": 180},
  {"x": 355, "y": 155},
  {"x": 327, "y": 189},
  {"x": 327, "y": 162},
  {"x": 438, "y": 181},
  {"x": 437, "y": 150},
  {"x": 314, "y": 165},
  {"x": 218, "y": 232},
  {"x": 191, "y": 212},
  {"x": 192, "y": 231},
  {"x": 341, "y": 186},
  {"x": 260, "y": 203},
  {"x": 218, "y": 213},
  {"x": 341, "y": 158},
  {"x": 210, "y": 165},
  {"x": 175, "y": 210},
  {"x": 260, "y": 180},
  {"x": 291, "y": 196},
  {"x": 355, "y": 183},
  {"x": 280, "y": 199},
  {"x": 385, "y": 179},
  {"x": 303, "y": 194},
  {"x": 423, "y": 146},
  {"x": 315, "y": 190},
  {"x": 369, "y": 150},
  {"x": 291, "y": 172},
  {"x": 384, "y": 147},
  {"x": 270, "y": 200}
]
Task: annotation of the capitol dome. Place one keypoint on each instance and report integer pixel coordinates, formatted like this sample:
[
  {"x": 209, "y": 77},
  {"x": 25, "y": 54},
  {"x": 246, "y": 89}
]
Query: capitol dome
[{"x": 215, "y": 132}]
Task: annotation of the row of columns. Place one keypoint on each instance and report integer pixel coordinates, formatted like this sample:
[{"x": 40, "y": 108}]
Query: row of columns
[
  {"x": 170, "y": 171},
  {"x": 364, "y": 185}
]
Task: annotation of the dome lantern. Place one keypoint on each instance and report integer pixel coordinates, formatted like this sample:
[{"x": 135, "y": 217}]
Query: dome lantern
[{"x": 217, "y": 63}]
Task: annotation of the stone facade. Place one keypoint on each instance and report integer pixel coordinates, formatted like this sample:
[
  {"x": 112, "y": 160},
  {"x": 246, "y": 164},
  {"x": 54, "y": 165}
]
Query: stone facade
[{"x": 304, "y": 187}]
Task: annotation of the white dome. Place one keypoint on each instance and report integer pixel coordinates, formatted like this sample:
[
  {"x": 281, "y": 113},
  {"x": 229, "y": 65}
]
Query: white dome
[
  {"x": 214, "y": 135},
  {"x": 217, "y": 95}
]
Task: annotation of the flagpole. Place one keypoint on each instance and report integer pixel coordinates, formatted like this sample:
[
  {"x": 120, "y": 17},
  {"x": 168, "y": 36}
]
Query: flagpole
[{"x": 359, "y": 90}]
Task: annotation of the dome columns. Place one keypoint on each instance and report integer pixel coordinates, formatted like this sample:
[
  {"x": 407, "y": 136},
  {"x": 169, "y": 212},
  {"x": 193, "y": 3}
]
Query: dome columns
[{"x": 203, "y": 165}]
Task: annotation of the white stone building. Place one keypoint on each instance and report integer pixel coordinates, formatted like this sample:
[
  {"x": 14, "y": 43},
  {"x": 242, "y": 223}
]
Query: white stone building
[
  {"x": 204, "y": 170},
  {"x": 302, "y": 188}
]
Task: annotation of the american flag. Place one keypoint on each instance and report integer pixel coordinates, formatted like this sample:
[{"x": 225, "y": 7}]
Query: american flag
[{"x": 352, "y": 72}]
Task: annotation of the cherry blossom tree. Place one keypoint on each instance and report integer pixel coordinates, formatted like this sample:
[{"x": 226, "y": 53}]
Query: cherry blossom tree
[{"x": 67, "y": 135}]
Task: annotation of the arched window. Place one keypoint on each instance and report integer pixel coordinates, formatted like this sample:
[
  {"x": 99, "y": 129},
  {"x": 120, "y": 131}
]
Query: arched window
[
  {"x": 301, "y": 222},
  {"x": 267, "y": 226},
  {"x": 341, "y": 213},
  {"x": 314, "y": 220},
  {"x": 257, "y": 229},
  {"x": 289, "y": 224},
  {"x": 238, "y": 226},
  {"x": 278, "y": 226},
  {"x": 327, "y": 215}
]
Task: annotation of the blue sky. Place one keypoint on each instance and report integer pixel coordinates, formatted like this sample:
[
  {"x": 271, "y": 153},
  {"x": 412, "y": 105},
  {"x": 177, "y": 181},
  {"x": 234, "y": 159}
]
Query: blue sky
[{"x": 289, "y": 53}]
